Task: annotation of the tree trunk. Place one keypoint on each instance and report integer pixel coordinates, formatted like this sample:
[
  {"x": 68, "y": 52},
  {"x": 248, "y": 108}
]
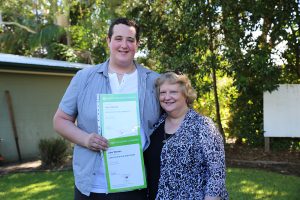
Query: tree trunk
[
  {"x": 218, "y": 115},
  {"x": 66, "y": 5},
  {"x": 297, "y": 53},
  {"x": 213, "y": 67}
]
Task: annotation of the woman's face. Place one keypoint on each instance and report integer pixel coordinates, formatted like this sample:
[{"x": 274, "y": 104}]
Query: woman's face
[{"x": 171, "y": 98}]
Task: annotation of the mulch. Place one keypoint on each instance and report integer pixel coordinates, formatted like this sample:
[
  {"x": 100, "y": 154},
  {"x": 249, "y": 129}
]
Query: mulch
[
  {"x": 32, "y": 166},
  {"x": 283, "y": 162}
]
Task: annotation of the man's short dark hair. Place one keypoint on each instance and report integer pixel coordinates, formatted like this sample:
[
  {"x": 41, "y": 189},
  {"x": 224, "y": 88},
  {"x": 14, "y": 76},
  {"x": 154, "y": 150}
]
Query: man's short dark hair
[{"x": 127, "y": 22}]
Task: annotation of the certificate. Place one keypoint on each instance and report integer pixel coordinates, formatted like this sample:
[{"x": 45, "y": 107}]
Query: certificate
[{"x": 118, "y": 121}]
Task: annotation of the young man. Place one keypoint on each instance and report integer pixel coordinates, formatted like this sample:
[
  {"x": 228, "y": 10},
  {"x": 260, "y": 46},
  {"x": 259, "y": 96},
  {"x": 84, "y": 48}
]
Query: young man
[{"x": 119, "y": 74}]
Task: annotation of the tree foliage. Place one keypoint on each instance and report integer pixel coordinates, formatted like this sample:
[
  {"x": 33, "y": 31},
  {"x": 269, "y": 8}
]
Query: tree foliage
[
  {"x": 176, "y": 41},
  {"x": 246, "y": 37},
  {"x": 250, "y": 56},
  {"x": 64, "y": 30}
]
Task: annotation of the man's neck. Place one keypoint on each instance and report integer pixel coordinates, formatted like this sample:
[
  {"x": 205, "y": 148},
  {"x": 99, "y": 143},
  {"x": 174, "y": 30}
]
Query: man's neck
[{"x": 121, "y": 70}]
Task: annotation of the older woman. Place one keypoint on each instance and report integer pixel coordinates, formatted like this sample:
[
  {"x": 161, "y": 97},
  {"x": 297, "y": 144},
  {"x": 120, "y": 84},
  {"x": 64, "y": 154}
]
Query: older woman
[{"x": 185, "y": 159}]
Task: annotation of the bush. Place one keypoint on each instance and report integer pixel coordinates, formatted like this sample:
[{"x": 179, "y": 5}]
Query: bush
[{"x": 54, "y": 152}]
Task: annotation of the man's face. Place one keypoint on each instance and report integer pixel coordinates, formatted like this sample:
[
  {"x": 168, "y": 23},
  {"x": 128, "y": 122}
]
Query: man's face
[{"x": 122, "y": 45}]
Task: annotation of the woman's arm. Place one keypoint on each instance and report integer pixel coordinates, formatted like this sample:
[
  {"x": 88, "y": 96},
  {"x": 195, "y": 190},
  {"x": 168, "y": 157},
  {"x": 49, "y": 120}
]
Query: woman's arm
[{"x": 214, "y": 156}]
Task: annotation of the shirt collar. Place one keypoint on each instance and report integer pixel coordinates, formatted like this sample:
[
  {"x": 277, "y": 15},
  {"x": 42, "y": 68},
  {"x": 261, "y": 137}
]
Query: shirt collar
[{"x": 103, "y": 68}]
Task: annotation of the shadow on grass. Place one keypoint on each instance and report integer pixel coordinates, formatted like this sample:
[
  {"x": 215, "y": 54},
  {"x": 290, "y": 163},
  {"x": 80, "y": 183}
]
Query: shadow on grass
[
  {"x": 252, "y": 184},
  {"x": 40, "y": 185}
]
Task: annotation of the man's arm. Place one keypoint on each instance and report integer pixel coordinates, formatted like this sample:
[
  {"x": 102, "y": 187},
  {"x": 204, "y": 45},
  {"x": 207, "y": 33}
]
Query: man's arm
[{"x": 64, "y": 125}]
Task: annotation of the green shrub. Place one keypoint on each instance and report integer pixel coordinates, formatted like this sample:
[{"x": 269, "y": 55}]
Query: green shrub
[{"x": 54, "y": 152}]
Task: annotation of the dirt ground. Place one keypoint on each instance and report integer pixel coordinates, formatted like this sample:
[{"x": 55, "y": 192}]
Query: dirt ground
[
  {"x": 283, "y": 162},
  {"x": 30, "y": 166}
]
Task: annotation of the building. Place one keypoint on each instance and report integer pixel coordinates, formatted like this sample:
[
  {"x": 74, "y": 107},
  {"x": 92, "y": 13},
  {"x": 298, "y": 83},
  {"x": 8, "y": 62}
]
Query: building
[{"x": 35, "y": 86}]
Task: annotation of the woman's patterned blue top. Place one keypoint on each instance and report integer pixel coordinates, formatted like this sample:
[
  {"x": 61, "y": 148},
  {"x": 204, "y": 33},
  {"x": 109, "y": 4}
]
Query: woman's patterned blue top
[{"x": 192, "y": 162}]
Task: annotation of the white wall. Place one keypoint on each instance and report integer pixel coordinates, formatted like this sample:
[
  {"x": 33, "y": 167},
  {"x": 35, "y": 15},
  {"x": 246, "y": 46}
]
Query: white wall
[{"x": 282, "y": 111}]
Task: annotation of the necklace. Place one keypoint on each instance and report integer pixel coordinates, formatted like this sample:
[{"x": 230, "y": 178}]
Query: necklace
[
  {"x": 167, "y": 136},
  {"x": 172, "y": 127}
]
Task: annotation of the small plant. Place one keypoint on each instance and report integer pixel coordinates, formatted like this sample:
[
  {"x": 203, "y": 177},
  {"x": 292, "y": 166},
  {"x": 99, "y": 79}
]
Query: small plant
[{"x": 54, "y": 152}]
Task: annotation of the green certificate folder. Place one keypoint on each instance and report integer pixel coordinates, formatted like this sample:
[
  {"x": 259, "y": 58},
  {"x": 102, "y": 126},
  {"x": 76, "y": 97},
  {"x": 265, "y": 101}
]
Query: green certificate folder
[{"x": 119, "y": 122}]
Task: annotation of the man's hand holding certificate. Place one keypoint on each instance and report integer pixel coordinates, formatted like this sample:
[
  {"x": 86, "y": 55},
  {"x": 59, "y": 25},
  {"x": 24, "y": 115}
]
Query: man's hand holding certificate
[{"x": 118, "y": 118}]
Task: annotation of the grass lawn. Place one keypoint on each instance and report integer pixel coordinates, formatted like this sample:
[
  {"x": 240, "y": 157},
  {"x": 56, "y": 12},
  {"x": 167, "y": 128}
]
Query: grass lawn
[
  {"x": 242, "y": 184},
  {"x": 37, "y": 185}
]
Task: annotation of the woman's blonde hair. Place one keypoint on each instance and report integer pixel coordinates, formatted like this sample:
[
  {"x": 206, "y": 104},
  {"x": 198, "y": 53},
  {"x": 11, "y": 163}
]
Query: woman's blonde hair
[{"x": 184, "y": 84}]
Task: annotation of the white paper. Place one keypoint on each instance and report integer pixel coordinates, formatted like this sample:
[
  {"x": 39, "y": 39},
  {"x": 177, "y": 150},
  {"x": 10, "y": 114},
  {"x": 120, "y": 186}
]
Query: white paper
[
  {"x": 120, "y": 119},
  {"x": 124, "y": 166}
]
